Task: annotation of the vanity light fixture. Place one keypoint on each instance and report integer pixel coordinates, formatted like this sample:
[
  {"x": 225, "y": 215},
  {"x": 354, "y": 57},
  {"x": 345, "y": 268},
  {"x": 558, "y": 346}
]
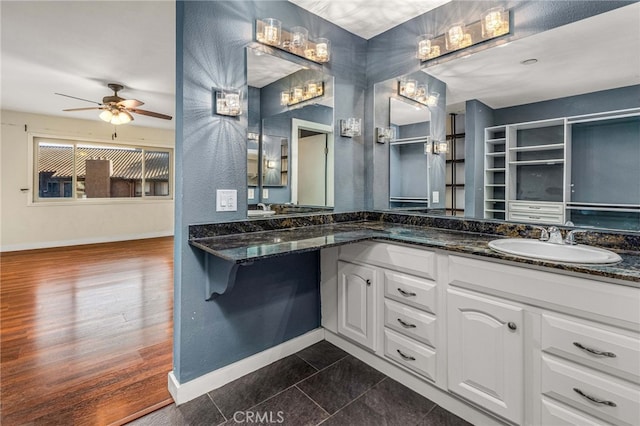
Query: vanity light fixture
[
  {"x": 418, "y": 92},
  {"x": 433, "y": 146},
  {"x": 271, "y": 164},
  {"x": 227, "y": 102},
  {"x": 493, "y": 23},
  {"x": 384, "y": 134},
  {"x": 253, "y": 136},
  {"x": 351, "y": 127},
  {"x": 269, "y": 31},
  {"x": 297, "y": 94}
]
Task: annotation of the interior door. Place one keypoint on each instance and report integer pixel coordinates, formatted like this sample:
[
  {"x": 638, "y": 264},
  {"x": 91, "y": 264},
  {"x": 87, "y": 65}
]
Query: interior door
[{"x": 312, "y": 170}]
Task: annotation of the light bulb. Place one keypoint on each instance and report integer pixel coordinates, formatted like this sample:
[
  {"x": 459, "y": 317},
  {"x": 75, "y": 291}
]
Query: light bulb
[{"x": 106, "y": 115}]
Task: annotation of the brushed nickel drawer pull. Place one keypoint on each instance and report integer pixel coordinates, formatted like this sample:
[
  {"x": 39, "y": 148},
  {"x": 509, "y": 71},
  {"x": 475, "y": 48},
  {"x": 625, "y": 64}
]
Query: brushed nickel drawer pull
[
  {"x": 406, "y": 293},
  {"x": 405, "y": 357},
  {"x": 594, "y": 399},
  {"x": 406, "y": 324},
  {"x": 594, "y": 351}
]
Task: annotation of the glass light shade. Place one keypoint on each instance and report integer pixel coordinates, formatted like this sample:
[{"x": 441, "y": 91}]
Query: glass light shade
[
  {"x": 422, "y": 94},
  {"x": 271, "y": 31},
  {"x": 494, "y": 23},
  {"x": 106, "y": 115},
  {"x": 410, "y": 88},
  {"x": 299, "y": 37},
  {"x": 428, "y": 147},
  {"x": 385, "y": 134},
  {"x": 298, "y": 94},
  {"x": 350, "y": 127},
  {"x": 424, "y": 46},
  {"x": 440, "y": 147},
  {"x": 432, "y": 99},
  {"x": 312, "y": 89},
  {"x": 271, "y": 164},
  {"x": 285, "y": 98},
  {"x": 454, "y": 36},
  {"x": 323, "y": 50},
  {"x": 124, "y": 117},
  {"x": 228, "y": 103}
]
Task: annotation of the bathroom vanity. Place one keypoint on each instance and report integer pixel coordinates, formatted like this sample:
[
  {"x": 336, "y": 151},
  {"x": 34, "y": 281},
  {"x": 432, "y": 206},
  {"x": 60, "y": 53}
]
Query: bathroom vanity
[{"x": 490, "y": 337}]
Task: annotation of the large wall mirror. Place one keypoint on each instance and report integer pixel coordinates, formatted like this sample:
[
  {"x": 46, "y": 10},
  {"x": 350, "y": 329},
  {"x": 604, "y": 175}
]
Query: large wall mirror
[
  {"x": 290, "y": 148},
  {"x": 552, "y": 124},
  {"x": 409, "y": 173}
]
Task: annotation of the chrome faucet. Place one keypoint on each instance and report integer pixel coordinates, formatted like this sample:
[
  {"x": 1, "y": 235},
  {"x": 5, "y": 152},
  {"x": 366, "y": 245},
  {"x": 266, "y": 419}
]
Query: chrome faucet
[
  {"x": 569, "y": 239},
  {"x": 544, "y": 234},
  {"x": 555, "y": 236},
  {"x": 262, "y": 206}
]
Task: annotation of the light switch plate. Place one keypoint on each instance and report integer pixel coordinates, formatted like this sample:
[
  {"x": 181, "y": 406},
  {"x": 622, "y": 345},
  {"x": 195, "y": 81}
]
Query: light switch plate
[
  {"x": 226, "y": 200},
  {"x": 265, "y": 193},
  {"x": 251, "y": 193},
  {"x": 436, "y": 197}
]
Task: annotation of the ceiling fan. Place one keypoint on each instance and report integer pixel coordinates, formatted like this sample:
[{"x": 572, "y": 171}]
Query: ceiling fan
[{"x": 117, "y": 110}]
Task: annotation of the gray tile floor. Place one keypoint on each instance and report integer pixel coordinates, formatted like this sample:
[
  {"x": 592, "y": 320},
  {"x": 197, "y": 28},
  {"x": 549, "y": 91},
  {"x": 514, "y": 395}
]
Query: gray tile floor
[{"x": 321, "y": 384}]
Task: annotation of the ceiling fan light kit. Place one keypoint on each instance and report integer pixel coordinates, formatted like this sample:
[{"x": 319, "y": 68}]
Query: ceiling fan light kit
[{"x": 117, "y": 110}]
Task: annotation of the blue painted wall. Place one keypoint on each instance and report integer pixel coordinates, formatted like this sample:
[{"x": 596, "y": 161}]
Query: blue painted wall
[
  {"x": 211, "y": 154},
  {"x": 279, "y": 298}
]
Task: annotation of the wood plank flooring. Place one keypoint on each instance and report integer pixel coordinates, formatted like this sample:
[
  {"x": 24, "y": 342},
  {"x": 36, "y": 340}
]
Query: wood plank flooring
[{"x": 85, "y": 333}]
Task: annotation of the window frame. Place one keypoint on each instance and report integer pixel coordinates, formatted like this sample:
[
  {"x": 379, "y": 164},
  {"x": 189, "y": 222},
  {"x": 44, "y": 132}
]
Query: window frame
[{"x": 36, "y": 200}]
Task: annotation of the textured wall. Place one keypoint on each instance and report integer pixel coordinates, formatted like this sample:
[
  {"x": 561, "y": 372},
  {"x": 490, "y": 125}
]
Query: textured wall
[{"x": 211, "y": 154}]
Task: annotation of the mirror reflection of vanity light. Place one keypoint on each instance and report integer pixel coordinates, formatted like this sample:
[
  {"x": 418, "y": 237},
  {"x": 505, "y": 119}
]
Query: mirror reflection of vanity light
[
  {"x": 436, "y": 147},
  {"x": 271, "y": 164},
  {"x": 228, "y": 103},
  {"x": 384, "y": 134},
  {"x": 493, "y": 22},
  {"x": 323, "y": 47},
  {"x": 350, "y": 127}
]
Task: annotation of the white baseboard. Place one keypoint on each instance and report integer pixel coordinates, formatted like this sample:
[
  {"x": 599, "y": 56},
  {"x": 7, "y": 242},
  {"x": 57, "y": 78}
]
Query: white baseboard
[
  {"x": 184, "y": 392},
  {"x": 421, "y": 386},
  {"x": 93, "y": 240}
]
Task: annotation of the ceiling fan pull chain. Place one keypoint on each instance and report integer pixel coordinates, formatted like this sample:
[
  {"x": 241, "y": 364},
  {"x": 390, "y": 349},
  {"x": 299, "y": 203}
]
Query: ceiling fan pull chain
[{"x": 115, "y": 134}]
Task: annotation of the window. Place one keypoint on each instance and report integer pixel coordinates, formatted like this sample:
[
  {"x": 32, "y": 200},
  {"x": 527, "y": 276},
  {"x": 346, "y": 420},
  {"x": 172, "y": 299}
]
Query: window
[{"x": 67, "y": 170}]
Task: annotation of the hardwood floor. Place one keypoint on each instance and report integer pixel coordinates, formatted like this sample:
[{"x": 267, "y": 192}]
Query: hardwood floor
[{"x": 86, "y": 332}]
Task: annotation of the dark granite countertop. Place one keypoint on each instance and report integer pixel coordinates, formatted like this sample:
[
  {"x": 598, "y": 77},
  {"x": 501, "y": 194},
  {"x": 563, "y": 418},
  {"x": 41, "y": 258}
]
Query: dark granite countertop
[{"x": 298, "y": 236}]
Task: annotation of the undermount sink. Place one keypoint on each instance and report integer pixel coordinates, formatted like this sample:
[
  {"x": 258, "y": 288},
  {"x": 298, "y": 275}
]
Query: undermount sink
[
  {"x": 260, "y": 213},
  {"x": 562, "y": 253}
]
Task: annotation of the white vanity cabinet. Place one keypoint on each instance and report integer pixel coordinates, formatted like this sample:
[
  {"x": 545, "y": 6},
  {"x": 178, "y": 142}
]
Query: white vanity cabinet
[
  {"x": 486, "y": 363},
  {"x": 357, "y": 314},
  {"x": 499, "y": 341}
]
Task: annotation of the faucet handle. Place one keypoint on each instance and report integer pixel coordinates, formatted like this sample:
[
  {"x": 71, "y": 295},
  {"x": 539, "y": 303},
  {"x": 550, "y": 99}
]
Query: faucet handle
[
  {"x": 570, "y": 238},
  {"x": 544, "y": 234}
]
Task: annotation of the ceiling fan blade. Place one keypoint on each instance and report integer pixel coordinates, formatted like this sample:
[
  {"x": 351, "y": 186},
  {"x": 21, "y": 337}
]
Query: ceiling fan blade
[
  {"x": 151, "y": 113},
  {"x": 83, "y": 109},
  {"x": 130, "y": 103},
  {"x": 80, "y": 99}
]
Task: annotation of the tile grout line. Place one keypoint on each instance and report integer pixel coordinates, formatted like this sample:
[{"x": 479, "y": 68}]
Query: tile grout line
[
  {"x": 218, "y": 408},
  {"x": 354, "y": 400},
  {"x": 428, "y": 412},
  {"x": 314, "y": 401}
]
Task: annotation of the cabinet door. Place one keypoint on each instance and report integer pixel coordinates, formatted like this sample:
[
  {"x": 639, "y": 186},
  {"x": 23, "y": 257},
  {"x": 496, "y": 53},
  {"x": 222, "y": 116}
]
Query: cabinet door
[
  {"x": 356, "y": 303},
  {"x": 486, "y": 352}
]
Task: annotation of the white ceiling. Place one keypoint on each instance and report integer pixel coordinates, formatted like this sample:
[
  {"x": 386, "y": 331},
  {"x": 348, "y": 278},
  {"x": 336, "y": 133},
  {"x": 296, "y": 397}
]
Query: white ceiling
[
  {"x": 368, "y": 18},
  {"x": 77, "y": 47},
  {"x": 598, "y": 53}
]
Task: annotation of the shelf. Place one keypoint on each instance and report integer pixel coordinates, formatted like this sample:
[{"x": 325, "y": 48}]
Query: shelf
[
  {"x": 495, "y": 170},
  {"x": 495, "y": 154},
  {"x": 420, "y": 139},
  {"x": 496, "y": 141},
  {"x": 495, "y": 200},
  {"x": 494, "y": 211},
  {"x": 495, "y": 185},
  {"x": 458, "y": 161},
  {"x": 549, "y": 162},
  {"x": 548, "y": 147}
]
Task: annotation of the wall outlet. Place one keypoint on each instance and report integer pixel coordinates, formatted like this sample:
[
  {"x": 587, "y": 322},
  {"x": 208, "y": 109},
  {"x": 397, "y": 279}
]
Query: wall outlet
[
  {"x": 265, "y": 193},
  {"x": 435, "y": 197},
  {"x": 226, "y": 200},
  {"x": 251, "y": 193}
]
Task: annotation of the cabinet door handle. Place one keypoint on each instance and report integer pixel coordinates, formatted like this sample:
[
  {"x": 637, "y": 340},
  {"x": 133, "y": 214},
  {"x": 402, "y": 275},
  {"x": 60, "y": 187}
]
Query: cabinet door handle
[
  {"x": 512, "y": 326},
  {"x": 406, "y": 293},
  {"x": 405, "y": 357},
  {"x": 594, "y": 399},
  {"x": 406, "y": 324},
  {"x": 368, "y": 282},
  {"x": 535, "y": 207},
  {"x": 594, "y": 351}
]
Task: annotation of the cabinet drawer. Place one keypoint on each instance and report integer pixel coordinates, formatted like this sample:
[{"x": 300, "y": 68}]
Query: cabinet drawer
[
  {"x": 592, "y": 345},
  {"x": 564, "y": 381},
  {"x": 536, "y": 208},
  {"x": 536, "y": 218},
  {"x": 400, "y": 258},
  {"x": 560, "y": 415},
  {"x": 410, "y": 354},
  {"x": 410, "y": 290},
  {"x": 410, "y": 322}
]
